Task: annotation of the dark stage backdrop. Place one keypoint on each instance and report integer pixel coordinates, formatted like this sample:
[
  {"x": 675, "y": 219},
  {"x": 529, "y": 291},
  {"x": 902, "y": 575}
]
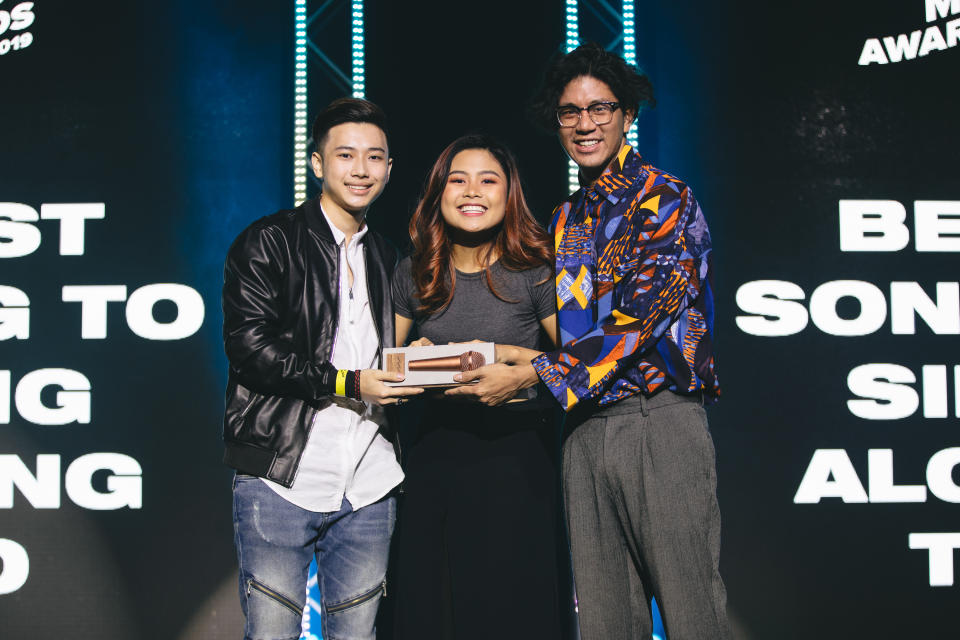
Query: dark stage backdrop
[{"x": 821, "y": 140}]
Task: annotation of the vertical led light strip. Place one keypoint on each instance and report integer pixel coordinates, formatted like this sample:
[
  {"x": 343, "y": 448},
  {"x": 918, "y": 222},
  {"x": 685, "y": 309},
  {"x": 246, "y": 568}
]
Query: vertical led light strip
[
  {"x": 573, "y": 41},
  {"x": 573, "y": 26},
  {"x": 630, "y": 54},
  {"x": 357, "y": 49},
  {"x": 300, "y": 104}
]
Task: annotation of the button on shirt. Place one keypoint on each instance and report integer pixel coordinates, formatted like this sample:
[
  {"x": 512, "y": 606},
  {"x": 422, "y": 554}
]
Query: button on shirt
[
  {"x": 634, "y": 292},
  {"x": 345, "y": 456}
]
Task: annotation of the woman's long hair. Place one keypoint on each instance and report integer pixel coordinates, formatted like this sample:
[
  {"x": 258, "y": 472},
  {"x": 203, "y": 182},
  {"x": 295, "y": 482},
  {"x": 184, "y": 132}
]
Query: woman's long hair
[{"x": 520, "y": 243}]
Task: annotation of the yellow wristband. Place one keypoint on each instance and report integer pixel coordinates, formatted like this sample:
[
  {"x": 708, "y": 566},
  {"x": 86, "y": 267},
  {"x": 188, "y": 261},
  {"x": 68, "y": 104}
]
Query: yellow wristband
[{"x": 341, "y": 387}]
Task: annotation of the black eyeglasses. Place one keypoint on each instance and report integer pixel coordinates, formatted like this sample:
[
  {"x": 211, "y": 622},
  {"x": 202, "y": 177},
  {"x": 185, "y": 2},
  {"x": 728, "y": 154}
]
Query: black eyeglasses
[{"x": 600, "y": 113}]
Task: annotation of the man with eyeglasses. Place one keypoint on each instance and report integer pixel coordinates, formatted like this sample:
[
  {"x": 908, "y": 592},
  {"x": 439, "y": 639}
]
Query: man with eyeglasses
[{"x": 633, "y": 278}]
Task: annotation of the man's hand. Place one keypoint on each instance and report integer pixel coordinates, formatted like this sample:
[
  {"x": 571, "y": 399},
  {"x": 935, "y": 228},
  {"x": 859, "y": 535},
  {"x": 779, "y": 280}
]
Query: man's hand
[
  {"x": 373, "y": 391},
  {"x": 497, "y": 384}
]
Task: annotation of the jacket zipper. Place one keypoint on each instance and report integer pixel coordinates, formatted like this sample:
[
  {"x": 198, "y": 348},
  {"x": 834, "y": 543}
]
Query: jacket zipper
[
  {"x": 381, "y": 588},
  {"x": 246, "y": 409},
  {"x": 336, "y": 333},
  {"x": 378, "y": 323},
  {"x": 336, "y": 316},
  {"x": 270, "y": 593}
]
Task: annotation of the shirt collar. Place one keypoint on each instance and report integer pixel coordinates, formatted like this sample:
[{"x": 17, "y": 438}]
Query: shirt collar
[
  {"x": 615, "y": 180},
  {"x": 340, "y": 236}
]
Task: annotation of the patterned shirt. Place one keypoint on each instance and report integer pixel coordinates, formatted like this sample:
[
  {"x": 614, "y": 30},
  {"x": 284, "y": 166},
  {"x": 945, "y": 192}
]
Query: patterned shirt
[{"x": 634, "y": 297}]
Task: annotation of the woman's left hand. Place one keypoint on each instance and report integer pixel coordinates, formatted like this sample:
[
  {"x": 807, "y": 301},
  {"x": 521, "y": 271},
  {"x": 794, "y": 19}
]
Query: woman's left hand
[{"x": 497, "y": 384}]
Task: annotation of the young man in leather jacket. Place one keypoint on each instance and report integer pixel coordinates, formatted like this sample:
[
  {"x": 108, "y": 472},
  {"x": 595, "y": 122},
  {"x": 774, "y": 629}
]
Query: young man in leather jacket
[{"x": 307, "y": 312}]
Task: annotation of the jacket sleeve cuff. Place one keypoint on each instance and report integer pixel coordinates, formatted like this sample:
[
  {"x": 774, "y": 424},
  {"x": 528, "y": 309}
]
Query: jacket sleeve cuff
[
  {"x": 328, "y": 380},
  {"x": 552, "y": 376}
]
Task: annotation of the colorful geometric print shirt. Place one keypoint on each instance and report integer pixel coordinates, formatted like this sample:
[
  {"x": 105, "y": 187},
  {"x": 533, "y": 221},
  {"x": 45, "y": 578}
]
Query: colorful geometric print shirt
[{"x": 634, "y": 297}]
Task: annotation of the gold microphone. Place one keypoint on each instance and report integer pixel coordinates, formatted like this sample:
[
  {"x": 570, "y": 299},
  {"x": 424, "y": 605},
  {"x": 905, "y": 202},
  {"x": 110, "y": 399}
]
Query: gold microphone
[{"x": 467, "y": 361}]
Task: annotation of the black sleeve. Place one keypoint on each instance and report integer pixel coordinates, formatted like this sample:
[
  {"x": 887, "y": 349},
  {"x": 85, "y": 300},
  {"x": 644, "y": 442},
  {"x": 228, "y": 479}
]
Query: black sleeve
[
  {"x": 542, "y": 291},
  {"x": 404, "y": 302},
  {"x": 261, "y": 358}
]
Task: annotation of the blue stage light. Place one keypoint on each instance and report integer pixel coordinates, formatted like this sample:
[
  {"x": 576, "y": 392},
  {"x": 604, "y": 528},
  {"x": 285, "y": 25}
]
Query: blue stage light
[
  {"x": 573, "y": 41},
  {"x": 358, "y": 72},
  {"x": 300, "y": 103},
  {"x": 630, "y": 53}
]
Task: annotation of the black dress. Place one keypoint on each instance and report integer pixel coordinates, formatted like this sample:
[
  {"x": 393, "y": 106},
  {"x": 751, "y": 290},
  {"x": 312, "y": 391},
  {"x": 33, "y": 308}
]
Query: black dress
[{"x": 478, "y": 550}]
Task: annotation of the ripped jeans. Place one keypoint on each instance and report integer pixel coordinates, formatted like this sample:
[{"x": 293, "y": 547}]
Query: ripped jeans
[{"x": 275, "y": 542}]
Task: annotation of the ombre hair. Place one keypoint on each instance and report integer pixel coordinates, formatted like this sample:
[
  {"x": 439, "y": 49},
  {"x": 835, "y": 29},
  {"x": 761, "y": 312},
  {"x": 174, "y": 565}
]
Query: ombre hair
[{"x": 520, "y": 242}]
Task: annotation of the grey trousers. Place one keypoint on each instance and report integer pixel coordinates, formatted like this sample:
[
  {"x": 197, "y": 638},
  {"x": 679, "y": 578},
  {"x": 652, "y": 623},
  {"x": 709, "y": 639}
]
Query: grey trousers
[{"x": 639, "y": 482}]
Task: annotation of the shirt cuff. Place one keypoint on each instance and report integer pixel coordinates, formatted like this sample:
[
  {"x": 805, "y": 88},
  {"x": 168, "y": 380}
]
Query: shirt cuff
[{"x": 552, "y": 377}]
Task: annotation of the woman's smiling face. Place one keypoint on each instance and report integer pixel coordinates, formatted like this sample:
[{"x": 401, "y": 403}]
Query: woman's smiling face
[{"x": 475, "y": 196}]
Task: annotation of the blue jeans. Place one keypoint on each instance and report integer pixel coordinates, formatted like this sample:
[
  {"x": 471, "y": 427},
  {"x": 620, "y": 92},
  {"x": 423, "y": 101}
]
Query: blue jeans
[{"x": 275, "y": 542}]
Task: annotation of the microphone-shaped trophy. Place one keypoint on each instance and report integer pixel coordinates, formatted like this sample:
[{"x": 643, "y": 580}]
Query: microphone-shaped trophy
[
  {"x": 435, "y": 365},
  {"x": 467, "y": 361}
]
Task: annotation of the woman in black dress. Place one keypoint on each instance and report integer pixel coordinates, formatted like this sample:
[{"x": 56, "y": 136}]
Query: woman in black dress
[{"x": 478, "y": 539}]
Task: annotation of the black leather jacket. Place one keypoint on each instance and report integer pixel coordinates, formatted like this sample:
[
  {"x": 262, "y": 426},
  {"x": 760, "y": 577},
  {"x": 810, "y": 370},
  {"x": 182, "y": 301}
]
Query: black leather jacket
[{"x": 280, "y": 289}]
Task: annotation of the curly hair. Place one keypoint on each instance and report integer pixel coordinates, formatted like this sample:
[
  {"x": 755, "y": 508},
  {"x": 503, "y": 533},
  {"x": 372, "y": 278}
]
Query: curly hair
[
  {"x": 520, "y": 242},
  {"x": 631, "y": 87}
]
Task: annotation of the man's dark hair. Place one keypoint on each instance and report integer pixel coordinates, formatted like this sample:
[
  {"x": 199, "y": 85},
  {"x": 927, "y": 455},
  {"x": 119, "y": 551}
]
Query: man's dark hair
[
  {"x": 343, "y": 110},
  {"x": 631, "y": 87}
]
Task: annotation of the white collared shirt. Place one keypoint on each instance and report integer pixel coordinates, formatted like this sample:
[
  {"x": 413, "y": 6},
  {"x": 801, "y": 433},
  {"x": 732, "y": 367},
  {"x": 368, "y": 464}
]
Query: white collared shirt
[{"x": 345, "y": 455}]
